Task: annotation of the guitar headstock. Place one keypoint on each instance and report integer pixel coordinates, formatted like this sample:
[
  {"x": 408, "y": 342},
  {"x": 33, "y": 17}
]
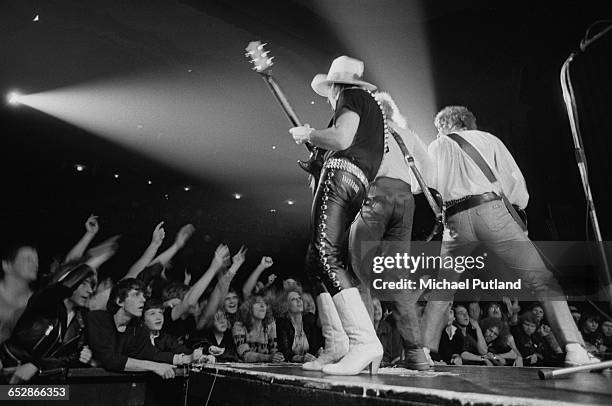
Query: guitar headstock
[{"x": 258, "y": 56}]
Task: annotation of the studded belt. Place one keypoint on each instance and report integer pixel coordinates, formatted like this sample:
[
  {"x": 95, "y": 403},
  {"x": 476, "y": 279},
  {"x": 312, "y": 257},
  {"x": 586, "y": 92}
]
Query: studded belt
[{"x": 345, "y": 165}]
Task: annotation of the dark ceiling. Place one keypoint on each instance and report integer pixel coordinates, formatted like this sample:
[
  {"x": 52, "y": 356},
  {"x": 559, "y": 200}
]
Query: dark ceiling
[{"x": 161, "y": 91}]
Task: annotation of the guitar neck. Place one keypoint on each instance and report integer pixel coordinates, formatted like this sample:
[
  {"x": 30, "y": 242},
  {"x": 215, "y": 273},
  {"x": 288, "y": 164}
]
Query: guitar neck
[{"x": 282, "y": 100}]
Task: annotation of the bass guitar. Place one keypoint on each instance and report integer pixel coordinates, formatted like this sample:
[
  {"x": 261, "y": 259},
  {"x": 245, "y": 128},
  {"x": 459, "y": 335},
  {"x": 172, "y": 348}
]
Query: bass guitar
[{"x": 262, "y": 64}]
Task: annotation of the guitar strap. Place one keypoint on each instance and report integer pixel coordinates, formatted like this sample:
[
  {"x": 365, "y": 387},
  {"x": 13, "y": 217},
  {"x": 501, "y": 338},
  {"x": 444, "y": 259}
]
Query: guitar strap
[
  {"x": 407, "y": 155},
  {"x": 478, "y": 159},
  {"x": 410, "y": 161}
]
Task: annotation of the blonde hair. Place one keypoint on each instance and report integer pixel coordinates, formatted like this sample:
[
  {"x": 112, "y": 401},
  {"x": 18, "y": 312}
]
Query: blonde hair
[{"x": 391, "y": 110}]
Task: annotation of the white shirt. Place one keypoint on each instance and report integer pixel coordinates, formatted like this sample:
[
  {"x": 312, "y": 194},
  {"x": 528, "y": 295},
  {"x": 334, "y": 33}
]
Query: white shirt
[
  {"x": 458, "y": 176},
  {"x": 395, "y": 166}
]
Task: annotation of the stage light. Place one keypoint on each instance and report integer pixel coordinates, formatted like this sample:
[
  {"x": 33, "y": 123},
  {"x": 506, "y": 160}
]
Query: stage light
[
  {"x": 116, "y": 176},
  {"x": 187, "y": 188},
  {"x": 273, "y": 146},
  {"x": 12, "y": 98},
  {"x": 79, "y": 167},
  {"x": 290, "y": 202},
  {"x": 312, "y": 102},
  {"x": 272, "y": 210},
  {"x": 36, "y": 18},
  {"x": 237, "y": 196},
  {"x": 149, "y": 182}
]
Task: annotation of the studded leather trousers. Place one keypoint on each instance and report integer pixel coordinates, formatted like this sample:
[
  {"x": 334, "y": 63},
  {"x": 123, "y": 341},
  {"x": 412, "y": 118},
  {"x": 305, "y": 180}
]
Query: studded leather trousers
[{"x": 337, "y": 201}]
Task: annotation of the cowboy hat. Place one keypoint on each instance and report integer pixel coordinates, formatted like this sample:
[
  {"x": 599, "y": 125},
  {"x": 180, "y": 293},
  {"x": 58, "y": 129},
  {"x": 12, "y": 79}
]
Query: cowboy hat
[{"x": 344, "y": 70}]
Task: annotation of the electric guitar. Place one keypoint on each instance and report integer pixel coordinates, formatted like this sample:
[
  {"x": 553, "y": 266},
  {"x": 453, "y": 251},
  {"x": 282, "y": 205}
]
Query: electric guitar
[{"x": 262, "y": 64}]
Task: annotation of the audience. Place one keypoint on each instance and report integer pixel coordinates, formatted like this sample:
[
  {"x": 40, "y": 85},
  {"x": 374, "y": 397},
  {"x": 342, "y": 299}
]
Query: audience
[
  {"x": 529, "y": 343},
  {"x": 606, "y": 336},
  {"x": 474, "y": 310},
  {"x": 218, "y": 337},
  {"x": 387, "y": 333},
  {"x": 496, "y": 334},
  {"x": 309, "y": 303},
  {"x": 588, "y": 325},
  {"x": 474, "y": 344},
  {"x": 299, "y": 338},
  {"x": 50, "y": 333},
  {"x": 231, "y": 303},
  {"x": 451, "y": 342},
  {"x": 150, "y": 321},
  {"x": 120, "y": 342},
  {"x": 576, "y": 314},
  {"x": 19, "y": 270},
  {"x": 255, "y": 332},
  {"x": 153, "y": 320}
]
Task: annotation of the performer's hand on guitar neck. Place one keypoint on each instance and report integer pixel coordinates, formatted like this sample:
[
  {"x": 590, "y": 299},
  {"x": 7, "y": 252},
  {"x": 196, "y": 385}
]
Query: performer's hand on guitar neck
[{"x": 301, "y": 134}]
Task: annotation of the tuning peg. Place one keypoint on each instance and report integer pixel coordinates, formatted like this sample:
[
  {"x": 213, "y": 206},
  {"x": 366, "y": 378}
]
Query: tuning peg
[
  {"x": 260, "y": 47},
  {"x": 269, "y": 61}
]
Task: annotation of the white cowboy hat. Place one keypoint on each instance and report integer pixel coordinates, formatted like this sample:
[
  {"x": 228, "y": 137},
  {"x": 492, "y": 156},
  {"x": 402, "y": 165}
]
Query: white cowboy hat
[{"x": 343, "y": 69}]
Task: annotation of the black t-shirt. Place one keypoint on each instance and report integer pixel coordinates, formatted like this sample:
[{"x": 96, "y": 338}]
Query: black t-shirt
[
  {"x": 180, "y": 328},
  {"x": 366, "y": 151},
  {"x": 112, "y": 348},
  {"x": 449, "y": 347}
]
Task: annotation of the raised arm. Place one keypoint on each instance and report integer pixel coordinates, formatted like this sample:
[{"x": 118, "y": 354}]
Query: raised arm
[
  {"x": 193, "y": 294},
  {"x": 147, "y": 256},
  {"x": 179, "y": 242},
  {"x": 249, "y": 285},
  {"x": 91, "y": 229},
  {"x": 221, "y": 289},
  {"x": 481, "y": 342}
]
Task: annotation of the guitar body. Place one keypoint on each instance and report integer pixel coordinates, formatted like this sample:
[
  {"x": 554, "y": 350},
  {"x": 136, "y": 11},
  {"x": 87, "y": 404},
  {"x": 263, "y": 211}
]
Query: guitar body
[
  {"x": 425, "y": 225},
  {"x": 314, "y": 164},
  {"x": 521, "y": 213}
]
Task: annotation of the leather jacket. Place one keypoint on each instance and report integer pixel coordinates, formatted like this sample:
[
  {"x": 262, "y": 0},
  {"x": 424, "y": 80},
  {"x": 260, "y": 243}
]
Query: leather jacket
[{"x": 42, "y": 335}]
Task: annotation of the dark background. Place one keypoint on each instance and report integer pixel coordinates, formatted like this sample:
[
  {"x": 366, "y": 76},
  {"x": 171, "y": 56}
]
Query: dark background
[{"x": 501, "y": 59}]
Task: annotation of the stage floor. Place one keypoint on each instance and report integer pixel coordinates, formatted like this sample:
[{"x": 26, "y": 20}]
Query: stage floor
[{"x": 278, "y": 384}]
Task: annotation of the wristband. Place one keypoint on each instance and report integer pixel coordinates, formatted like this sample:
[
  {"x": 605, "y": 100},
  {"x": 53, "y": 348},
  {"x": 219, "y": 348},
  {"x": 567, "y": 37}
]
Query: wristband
[{"x": 309, "y": 134}]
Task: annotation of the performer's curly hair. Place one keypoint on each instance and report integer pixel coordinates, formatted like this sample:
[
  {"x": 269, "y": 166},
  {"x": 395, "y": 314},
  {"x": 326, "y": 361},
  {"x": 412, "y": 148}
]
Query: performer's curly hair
[{"x": 455, "y": 118}]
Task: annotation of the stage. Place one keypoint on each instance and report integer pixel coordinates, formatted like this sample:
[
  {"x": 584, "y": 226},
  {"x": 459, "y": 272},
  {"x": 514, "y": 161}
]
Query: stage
[
  {"x": 287, "y": 384},
  {"x": 258, "y": 384}
]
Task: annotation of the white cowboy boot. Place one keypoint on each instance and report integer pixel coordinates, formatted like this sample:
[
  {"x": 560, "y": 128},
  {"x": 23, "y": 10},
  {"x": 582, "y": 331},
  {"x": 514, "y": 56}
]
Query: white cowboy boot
[
  {"x": 336, "y": 341},
  {"x": 364, "y": 347},
  {"x": 577, "y": 355}
]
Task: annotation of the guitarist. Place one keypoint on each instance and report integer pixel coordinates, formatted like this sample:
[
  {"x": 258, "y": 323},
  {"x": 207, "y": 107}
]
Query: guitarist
[
  {"x": 356, "y": 143},
  {"x": 386, "y": 218},
  {"x": 479, "y": 210}
]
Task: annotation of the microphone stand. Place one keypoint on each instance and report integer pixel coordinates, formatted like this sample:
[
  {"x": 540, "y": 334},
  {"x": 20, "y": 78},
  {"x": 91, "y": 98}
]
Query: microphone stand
[{"x": 572, "y": 112}]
